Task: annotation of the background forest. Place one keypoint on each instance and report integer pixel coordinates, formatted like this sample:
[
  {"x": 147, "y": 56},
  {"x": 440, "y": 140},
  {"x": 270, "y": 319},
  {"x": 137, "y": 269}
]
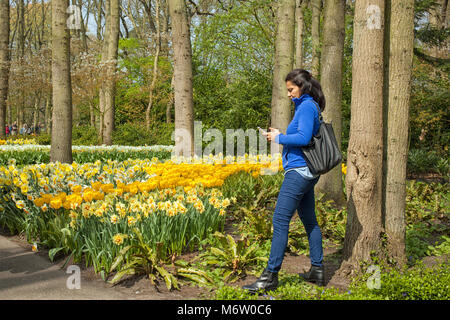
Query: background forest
[{"x": 232, "y": 55}]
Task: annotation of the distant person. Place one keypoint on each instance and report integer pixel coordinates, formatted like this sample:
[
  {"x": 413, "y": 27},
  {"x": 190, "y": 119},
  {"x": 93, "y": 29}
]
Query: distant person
[
  {"x": 23, "y": 130},
  {"x": 14, "y": 128},
  {"x": 7, "y": 130}
]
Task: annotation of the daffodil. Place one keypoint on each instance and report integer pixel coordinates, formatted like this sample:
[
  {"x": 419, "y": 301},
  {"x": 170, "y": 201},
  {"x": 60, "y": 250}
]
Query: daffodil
[{"x": 118, "y": 239}]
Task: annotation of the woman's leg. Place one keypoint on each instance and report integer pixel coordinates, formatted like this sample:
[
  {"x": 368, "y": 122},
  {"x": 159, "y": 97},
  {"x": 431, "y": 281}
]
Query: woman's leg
[
  {"x": 306, "y": 211},
  {"x": 292, "y": 191}
]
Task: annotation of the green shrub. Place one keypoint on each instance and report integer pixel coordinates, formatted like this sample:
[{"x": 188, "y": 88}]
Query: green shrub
[
  {"x": 420, "y": 161},
  {"x": 132, "y": 134},
  {"x": 44, "y": 139},
  {"x": 84, "y": 136},
  {"x": 418, "y": 283}
]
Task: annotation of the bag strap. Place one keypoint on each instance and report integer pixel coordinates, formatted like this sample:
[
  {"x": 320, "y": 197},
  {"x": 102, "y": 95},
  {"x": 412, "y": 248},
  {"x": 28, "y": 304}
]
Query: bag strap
[{"x": 318, "y": 109}]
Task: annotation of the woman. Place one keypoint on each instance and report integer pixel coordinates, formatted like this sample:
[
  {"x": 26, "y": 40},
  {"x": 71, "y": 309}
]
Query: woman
[{"x": 297, "y": 190}]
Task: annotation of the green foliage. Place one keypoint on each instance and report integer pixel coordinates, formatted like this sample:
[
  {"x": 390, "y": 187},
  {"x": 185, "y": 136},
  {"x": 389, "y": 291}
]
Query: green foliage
[
  {"x": 418, "y": 283},
  {"x": 26, "y": 157},
  {"x": 331, "y": 219},
  {"x": 233, "y": 293},
  {"x": 133, "y": 134},
  {"x": 84, "y": 136},
  {"x": 44, "y": 138},
  {"x": 427, "y": 214},
  {"x": 440, "y": 249},
  {"x": 232, "y": 258},
  {"x": 420, "y": 161},
  {"x": 141, "y": 258}
]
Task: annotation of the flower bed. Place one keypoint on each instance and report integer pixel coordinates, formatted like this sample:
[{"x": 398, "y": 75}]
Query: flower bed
[{"x": 90, "y": 210}]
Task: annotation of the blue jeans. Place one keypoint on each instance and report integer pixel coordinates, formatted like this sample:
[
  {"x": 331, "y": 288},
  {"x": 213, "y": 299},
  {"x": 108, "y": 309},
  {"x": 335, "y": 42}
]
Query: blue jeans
[{"x": 296, "y": 193}]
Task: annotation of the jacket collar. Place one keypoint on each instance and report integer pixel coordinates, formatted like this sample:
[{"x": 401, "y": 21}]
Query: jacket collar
[{"x": 298, "y": 101}]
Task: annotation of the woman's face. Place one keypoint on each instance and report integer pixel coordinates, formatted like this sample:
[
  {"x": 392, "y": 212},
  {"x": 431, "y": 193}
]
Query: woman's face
[{"x": 293, "y": 90}]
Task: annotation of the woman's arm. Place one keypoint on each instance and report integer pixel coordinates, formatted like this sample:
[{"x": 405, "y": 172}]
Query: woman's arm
[{"x": 305, "y": 116}]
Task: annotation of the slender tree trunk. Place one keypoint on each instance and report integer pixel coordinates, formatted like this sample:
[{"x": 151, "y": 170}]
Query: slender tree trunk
[
  {"x": 99, "y": 19},
  {"x": 299, "y": 19},
  {"x": 365, "y": 150},
  {"x": 104, "y": 62},
  {"x": 155, "y": 66},
  {"x": 316, "y": 6},
  {"x": 83, "y": 28},
  {"x": 110, "y": 90},
  {"x": 4, "y": 63},
  {"x": 400, "y": 44},
  {"x": 284, "y": 49},
  {"x": 61, "y": 145},
  {"x": 165, "y": 29},
  {"x": 171, "y": 103},
  {"x": 183, "y": 93},
  {"x": 92, "y": 115},
  {"x": 331, "y": 80},
  {"x": 21, "y": 56},
  {"x": 47, "y": 117}
]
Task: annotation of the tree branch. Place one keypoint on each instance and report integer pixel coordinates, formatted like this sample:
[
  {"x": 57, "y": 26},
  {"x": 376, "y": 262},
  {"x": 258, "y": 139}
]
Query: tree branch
[
  {"x": 433, "y": 60},
  {"x": 197, "y": 11}
]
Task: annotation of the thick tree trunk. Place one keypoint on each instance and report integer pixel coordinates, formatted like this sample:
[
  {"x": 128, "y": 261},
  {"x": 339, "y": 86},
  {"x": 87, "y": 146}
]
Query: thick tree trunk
[
  {"x": 365, "y": 150},
  {"x": 61, "y": 145},
  {"x": 316, "y": 6},
  {"x": 299, "y": 22},
  {"x": 331, "y": 80},
  {"x": 284, "y": 49},
  {"x": 400, "y": 46},
  {"x": 4, "y": 63},
  {"x": 183, "y": 93}
]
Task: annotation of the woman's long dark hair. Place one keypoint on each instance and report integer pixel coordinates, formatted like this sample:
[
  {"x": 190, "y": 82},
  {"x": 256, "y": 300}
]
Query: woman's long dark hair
[{"x": 308, "y": 85}]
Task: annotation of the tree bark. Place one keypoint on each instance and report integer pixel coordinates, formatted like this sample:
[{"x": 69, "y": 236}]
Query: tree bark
[
  {"x": 365, "y": 150},
  {"x": 331, "y": 81},
  {"x": 299, "y": 19},
  {"x": 104, "y": 63},
  {"x": 183, "y": 91},
  {"x": 400, "y": 46},
  {"x": 99, "y": 19},
  {"x": 61, "y": 145},
  {"x": 4, "y": 63},
  {"x": 316, "y": 6},
  {"x": 155, "y": 66},
  {"x": 109, "y": 62},
  {"x": 284, "y": 58},
  {"x": 110, "y": 90},
  {"x": 21, "y": 56},
  {"x": 47, "y": 117},
  {"x": 83, "y": 28}
]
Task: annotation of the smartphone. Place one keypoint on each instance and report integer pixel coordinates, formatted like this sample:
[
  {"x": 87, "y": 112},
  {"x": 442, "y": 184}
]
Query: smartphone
[{"x": 262, "y": 130}]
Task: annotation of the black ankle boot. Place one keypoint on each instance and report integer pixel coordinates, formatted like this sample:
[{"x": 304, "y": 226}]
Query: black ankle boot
[
  {"x": 315, "y": 275},
  {"x": 267, "y": 281}
]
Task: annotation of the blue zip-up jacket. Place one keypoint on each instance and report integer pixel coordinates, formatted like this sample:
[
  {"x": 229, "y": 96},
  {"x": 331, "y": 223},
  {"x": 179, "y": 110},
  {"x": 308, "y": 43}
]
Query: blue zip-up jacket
[{"x": 299, "y": 132}]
